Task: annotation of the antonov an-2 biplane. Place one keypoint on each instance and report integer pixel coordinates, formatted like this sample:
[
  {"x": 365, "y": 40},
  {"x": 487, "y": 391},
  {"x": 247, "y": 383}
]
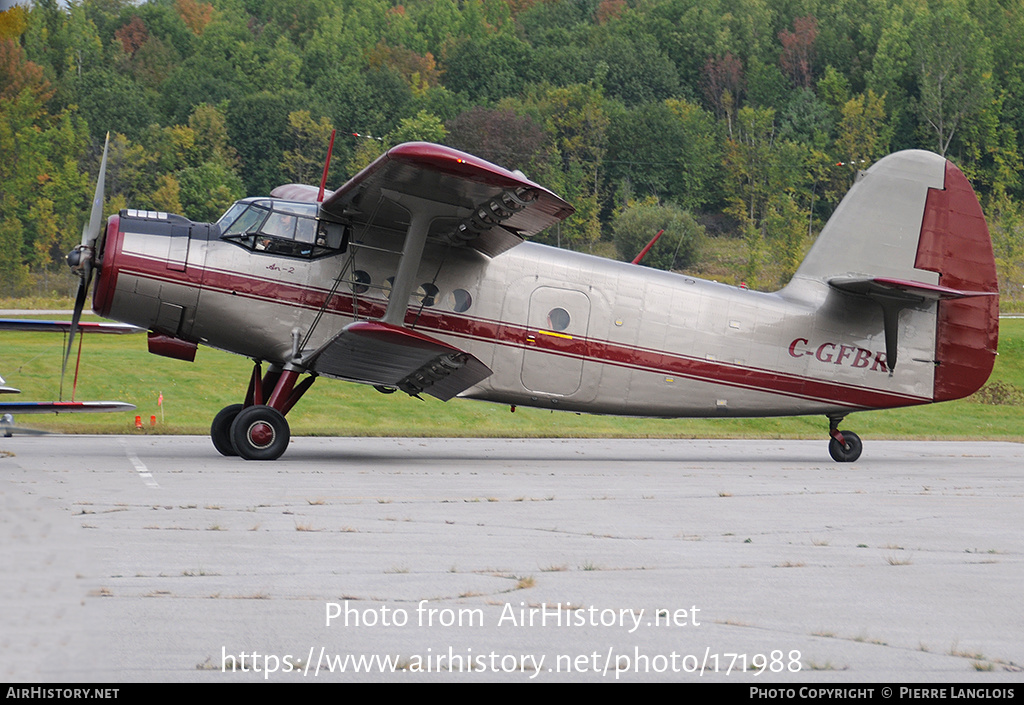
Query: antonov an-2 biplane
[{"x": 414, "y": 276}]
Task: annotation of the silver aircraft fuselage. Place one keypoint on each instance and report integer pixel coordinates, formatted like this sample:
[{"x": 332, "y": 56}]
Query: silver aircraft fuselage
[
  {"x": 905, "y": 265},
  {"x": 637, "y": 341}
]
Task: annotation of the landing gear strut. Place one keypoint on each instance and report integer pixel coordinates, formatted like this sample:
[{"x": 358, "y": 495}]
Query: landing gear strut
[
  {"x": 257, "y": 429},
  {"x": 845, "y": 446}
]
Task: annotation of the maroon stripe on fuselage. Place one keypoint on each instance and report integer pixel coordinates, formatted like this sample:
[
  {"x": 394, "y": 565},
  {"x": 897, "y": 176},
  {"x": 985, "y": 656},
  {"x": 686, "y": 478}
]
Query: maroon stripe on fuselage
[{"x": 513, "y": 335}]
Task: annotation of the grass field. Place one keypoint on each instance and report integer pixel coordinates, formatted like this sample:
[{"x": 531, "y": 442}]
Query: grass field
[{"x": 120, "y": 368}]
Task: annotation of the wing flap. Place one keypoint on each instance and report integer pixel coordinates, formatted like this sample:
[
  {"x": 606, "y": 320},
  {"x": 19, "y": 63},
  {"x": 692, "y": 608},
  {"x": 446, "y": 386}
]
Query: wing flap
[{"x": 382, "y": 354}]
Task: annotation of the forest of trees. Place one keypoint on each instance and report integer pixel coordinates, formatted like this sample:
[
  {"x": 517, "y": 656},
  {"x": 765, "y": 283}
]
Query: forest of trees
[{"x": 739, "y": 123}]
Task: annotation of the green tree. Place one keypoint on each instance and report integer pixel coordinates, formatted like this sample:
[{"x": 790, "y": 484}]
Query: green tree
[
  {"x": 954, "y": 66},
  {"x": 636, "y": 71},
  {"x": 421, "y": 127},
  {"x": 487, "y": 68},
  {"x": 677, "y": 248},
  {"x": 575, "y": 120},
  {"x": 207, "y": 190},
  {"x": 257, "y": 126},
  {"x": 303, "y": 162},
  {"x": 863, "y": 137},
  {"x": 764, "y": 188},
  {"x": 669, "y": 149}
]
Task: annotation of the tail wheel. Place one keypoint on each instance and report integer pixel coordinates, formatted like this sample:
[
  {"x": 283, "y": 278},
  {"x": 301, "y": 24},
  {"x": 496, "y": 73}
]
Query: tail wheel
[
  {"x": 220, "y": 429},
  {"x": 260, "y": 433},
  {"x": 847, "y": 451}
]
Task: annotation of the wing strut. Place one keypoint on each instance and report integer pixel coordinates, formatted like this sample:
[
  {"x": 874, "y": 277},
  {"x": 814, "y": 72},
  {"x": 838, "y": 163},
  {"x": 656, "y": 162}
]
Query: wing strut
[{"x": 421, "y": 213}]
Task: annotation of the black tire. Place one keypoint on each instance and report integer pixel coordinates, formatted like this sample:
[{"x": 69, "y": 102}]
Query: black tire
[
  {"x": 220, "y": 430},
  {"x": 848, "y": 452},
  {"x": 260, "y": 433}
]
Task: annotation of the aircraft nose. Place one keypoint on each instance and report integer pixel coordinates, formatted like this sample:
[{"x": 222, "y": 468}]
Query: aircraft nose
[{"x": 106, "y": 266}]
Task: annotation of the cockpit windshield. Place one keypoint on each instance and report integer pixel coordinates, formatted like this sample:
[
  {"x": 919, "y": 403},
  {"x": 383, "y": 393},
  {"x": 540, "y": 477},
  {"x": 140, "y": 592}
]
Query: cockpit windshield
[{"x": 281, "y": 227}]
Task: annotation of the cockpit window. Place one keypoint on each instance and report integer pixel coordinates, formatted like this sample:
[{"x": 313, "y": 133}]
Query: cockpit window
[
  {"x": 283, "y": 228},
  {"x": 230, "y": 216},
  {"x": 247, "y": 222}
]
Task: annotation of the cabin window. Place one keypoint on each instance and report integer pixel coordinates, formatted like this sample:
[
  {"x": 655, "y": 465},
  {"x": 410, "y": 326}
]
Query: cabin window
[
  {"x": 558, "y": 319},
  {"x": 427, "y": 294},
  {"x": 360, "y": 281},
  {"x": 247, "y": 222},
  {"x": 460, "y": 300}
]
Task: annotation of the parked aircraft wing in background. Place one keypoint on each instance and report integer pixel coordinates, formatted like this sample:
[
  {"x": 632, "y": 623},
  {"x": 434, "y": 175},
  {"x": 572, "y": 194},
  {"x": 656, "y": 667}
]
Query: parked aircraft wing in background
[{"x": 25, "y": 324}]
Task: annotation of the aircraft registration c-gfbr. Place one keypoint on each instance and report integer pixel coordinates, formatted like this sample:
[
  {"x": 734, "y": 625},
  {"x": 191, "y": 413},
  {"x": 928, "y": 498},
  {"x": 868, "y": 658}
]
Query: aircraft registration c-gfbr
[{"x": 414, "y": 276}]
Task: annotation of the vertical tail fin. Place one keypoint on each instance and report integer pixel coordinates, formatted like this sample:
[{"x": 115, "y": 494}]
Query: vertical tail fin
[{"x": 910, "y": 231}]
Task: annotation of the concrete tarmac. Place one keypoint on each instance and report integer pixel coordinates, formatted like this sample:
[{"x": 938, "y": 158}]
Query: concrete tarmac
[{"x": 152, "y": 558}]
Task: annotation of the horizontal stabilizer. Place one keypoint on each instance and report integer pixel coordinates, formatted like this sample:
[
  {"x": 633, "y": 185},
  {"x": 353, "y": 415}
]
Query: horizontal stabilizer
[
  {"x": 911, "y": 291},
  {"x": 386, "y": 355}
]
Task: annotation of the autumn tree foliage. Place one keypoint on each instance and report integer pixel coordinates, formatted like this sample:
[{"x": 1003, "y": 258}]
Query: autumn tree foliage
[
  {"x": 132, "y": 35},
  {"x": 797, "y": 58},
  {"x": 754, "y": 117},
  {"x": 196, "y": 15},
  {"x": 498, "y": 135}
]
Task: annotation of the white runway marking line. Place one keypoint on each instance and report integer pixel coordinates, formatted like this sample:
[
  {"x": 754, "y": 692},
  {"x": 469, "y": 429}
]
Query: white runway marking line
[{"x": 140, "y": 467}]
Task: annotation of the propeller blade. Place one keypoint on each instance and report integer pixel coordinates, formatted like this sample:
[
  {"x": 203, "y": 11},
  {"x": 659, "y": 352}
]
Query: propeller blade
[
  {"x": 86, "y": 254},
  {"x": 91, "y": 231},
  {"x": 83, "y": 292}
]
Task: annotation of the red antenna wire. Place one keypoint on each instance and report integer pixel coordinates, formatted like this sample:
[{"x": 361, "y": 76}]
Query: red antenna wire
[
  {"x": 327, "y": 164},
  {"x": 643, "y": 252}
]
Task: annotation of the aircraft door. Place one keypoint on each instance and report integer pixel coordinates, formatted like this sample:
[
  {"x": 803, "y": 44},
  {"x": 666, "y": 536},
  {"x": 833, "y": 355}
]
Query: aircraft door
[{"x": 556, "y": 341}]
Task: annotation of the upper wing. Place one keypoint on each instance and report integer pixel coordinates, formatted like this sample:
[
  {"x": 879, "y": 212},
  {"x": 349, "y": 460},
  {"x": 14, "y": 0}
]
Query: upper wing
[
  {"x": 439, "y": 197},
  {"x": 474, "y": 202}
]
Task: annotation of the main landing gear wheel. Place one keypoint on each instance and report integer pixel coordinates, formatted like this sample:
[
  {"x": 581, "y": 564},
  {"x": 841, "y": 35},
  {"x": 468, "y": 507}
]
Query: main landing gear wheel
[
  {"x": 847, "y": 451},
  {"x": 220, "y": 429},
  {"x": 260, "y": 433}
]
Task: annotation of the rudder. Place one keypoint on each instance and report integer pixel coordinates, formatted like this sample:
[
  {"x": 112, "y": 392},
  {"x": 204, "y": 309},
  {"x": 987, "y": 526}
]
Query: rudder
[{"x": 955, "y": 243}]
